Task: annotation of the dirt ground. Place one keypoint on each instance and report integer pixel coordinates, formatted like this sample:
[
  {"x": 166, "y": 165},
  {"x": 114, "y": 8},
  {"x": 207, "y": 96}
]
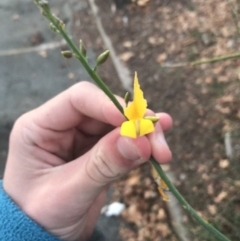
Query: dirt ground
[{"x": 150, "y": 36}]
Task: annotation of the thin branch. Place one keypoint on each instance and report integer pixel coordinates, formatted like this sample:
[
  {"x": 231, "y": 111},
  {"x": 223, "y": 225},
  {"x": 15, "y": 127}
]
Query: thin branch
[
  {"x": 216, "y": 59},
  {"x": 203, "y": 61}
]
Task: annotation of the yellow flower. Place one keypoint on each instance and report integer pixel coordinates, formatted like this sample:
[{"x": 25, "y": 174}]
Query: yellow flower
[{"x": 136, "y": 124}]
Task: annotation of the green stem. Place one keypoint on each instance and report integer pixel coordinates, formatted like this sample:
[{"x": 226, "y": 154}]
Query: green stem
[
  {"x": 219, "y": 236},
  {"x": 158, "y": 168},
  {"x": 83, "y": 61}
]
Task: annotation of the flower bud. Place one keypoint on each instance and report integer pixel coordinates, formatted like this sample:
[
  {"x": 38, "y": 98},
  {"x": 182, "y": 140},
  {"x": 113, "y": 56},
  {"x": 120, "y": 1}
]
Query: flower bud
[
  {"x": 103, "y": 57},
  {"x": 53, "y": 28},
  {"x": 154, "y": 119},
  {"x": 82, "y": 49},
  {"x": 67, "y": 54},
  {"x": 44, "y": 4},
  {"x": 59, "y": 22},
  {"x": 43, "y": 12}
]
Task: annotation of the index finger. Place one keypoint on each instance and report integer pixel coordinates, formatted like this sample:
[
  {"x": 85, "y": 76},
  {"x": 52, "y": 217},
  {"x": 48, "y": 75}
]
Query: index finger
[{"x": 69, "y": 108}]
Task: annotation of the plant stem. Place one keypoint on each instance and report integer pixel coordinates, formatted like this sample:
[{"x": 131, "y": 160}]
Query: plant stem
[
  {"x": 83, "y": 61},
  {"x": 219, "y": 236},
  {"x": 107, "y": 91}
]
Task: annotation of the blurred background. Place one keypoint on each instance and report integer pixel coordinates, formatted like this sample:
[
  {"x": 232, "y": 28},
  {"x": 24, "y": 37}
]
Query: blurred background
[
  {"x": 161, "y": 40},
  {"x": 31, "y": 68}
]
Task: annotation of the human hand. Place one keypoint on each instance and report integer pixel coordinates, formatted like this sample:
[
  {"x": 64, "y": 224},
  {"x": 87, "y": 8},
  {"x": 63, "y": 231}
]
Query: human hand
[{"x": 64, "y": 154}]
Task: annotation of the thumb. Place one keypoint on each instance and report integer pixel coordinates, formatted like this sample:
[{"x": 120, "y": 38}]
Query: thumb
[
  {"x": 116, "y": 155},
  {"x": 111, "y": 158}
]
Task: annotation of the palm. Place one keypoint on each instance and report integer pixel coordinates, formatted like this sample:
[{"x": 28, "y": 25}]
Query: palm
[{"x": 61, "y": 148}]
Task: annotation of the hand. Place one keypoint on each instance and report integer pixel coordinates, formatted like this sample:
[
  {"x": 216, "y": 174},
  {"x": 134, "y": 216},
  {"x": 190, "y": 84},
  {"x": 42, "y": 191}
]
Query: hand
[{"x": 64, "y": 154}]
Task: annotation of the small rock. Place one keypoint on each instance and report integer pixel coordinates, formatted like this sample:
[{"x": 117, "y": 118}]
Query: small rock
[
  {"x": 161, "y": 58},
  {"x": 223, "y": 79},
  {"x": 224, "y": 163},
  {"x": 208, "y": 80},
  {"x": 134, "y": 180},
  {"x": 127, "y": 44},
  {"x": 227, "y": 99},
  {"x": 126, "y": 56},
  {"x": 210, "y": 189},
  {"x": 212, "y": 209},
  {"x": 142, "y": 3},
  {"x": 149, "y": 194},
  {"x": 223, "y": 110},
  {"x": 161, "y": 214},
  {"x": 182, "y": 176},
  {"x": 220, "y": 197}
]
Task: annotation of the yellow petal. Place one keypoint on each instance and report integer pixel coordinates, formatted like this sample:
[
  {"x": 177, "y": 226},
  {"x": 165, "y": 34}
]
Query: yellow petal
[
  {"x": 137, "y": 108},
  {"x": 128, "y": 129},
  {"x": 146, "y": 127}
]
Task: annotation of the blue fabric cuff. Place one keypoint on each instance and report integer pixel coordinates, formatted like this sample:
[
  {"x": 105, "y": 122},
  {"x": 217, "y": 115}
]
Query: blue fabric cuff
[{"x": 16, "y": 225}]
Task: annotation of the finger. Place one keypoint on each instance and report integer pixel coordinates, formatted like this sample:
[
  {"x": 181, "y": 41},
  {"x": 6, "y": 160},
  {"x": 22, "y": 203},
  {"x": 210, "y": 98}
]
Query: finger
[
  {"x": 111, "y": 158},
  {"x": 165, "y": 121},
  {"x": 160, "y": 149},
  {"x": 90, "y": 127},
  {"x": 69, "y": 108},
  {"x": 98, "y": 128},
  {"x": 164, "y": 118}
]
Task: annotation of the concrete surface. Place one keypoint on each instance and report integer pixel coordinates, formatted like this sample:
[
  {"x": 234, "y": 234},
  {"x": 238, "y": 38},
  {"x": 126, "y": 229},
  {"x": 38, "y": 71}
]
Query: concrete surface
[{"x": 29, "y": 77}]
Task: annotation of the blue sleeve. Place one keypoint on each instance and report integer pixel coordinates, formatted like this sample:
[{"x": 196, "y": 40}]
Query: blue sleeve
[{"x": 16, "y": 225}]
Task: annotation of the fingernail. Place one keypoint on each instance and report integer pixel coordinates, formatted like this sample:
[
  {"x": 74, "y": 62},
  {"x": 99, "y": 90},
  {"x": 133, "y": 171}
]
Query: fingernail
[
  {"x": 127, "y": 149},
  {"x": 161, "y": 139}
]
